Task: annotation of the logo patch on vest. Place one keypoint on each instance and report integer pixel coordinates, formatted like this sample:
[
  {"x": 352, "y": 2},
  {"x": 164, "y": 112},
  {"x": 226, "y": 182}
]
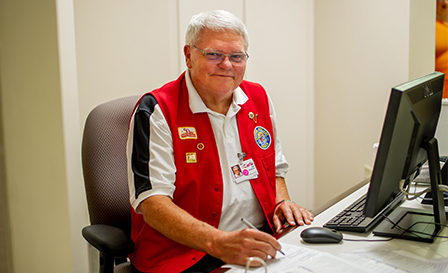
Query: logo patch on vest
[
  {"x": 187, "y": 133},
  {"x": 191, "y": 157},
  {"x": 262, "y": 137}
]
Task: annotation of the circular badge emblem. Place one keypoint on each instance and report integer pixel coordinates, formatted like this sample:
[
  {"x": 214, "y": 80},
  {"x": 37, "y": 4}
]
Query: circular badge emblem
[{"x": 262, "y": 137}]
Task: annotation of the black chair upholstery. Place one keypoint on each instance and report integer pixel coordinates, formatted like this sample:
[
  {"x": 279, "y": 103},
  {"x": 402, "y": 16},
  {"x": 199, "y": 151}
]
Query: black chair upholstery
[{"x": 105, "y": 177}]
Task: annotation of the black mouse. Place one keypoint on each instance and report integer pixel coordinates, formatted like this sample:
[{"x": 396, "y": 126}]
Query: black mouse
[{"x": 320, "y": 235}]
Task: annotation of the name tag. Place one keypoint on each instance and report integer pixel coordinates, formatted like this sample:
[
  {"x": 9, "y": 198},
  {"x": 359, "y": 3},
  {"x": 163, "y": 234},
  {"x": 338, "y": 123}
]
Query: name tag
[{"x": 244, "y": 171}]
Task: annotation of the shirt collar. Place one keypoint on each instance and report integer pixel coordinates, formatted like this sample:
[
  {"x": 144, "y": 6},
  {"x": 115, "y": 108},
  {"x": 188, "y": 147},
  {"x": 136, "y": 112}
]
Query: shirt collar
[{"x": 198, "y": 106}]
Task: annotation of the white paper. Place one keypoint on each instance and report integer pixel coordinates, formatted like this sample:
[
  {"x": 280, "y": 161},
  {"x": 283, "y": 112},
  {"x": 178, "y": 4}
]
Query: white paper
[
  {"x": 382, "y": 258},
  {"x": 300, "y": 259},
  {"x": 377, "y": 258}
]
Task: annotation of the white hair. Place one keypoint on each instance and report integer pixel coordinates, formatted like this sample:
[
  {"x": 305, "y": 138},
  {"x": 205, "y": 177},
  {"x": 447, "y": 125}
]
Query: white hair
[{"x": 215, "y": 20}]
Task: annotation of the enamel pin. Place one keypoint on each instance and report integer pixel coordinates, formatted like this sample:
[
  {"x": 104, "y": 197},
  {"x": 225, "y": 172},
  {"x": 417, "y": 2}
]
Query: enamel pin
[
  {"x": 253, "y": 116},
  {"x": 200, "y": 146},
  {"x": 191, "y": 157}
]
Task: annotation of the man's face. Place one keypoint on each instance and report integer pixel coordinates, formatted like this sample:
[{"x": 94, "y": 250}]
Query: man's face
[{"x": 215, "y": 79}]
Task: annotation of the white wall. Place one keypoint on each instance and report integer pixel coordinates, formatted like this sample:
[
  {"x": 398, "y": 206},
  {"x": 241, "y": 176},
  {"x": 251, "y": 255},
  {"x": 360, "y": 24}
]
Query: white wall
[
  {"x": 123, "y": 48},
  {"x": 442, "y": 129},
  {"x": 282, "y": 60},
  {"x": 77, "y": 205},
  {"x": 32, "y": 128},
  {"x": 363, "y": 48}
]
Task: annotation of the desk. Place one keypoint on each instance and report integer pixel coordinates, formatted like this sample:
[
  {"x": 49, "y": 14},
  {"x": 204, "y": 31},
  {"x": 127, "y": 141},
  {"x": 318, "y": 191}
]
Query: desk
[
  {"x": 438, "y": 249},
  {"x": 430, "y": 251}
]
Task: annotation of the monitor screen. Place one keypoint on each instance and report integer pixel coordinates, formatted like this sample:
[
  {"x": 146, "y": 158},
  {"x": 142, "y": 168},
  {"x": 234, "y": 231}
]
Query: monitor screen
[{"x": 410, "y": 124}]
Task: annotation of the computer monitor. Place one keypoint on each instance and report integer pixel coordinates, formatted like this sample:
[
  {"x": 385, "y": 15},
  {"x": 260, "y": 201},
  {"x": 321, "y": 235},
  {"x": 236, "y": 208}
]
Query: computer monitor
[{"x": 407, "y": 142}]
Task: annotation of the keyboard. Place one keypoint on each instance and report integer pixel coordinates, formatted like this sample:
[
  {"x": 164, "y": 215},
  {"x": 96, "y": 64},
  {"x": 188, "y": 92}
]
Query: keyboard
[{"x": 353, "y": 219}]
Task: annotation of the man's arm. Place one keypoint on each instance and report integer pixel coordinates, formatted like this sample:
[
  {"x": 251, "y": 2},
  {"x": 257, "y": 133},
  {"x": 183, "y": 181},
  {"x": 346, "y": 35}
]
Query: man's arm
[
  {"x": 287, "y": 210},
  {"x": 231, "y": 247}
]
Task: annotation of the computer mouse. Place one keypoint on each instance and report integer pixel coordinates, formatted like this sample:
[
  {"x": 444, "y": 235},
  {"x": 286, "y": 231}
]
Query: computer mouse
[{"x": 320, "y": 235}]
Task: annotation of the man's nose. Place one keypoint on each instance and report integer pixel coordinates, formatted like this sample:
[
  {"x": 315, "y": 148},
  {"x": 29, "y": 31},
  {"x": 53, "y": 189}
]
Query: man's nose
[{"x": 226, "y": 63}]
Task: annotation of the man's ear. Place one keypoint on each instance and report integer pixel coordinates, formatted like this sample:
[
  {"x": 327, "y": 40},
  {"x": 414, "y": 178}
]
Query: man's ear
[{"x": 187, "y": 53}]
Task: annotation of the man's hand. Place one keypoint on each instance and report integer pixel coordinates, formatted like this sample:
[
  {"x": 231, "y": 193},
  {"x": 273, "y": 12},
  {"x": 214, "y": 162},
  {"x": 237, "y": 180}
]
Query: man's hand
[
  {"x": 288, "y": 211},
  {"x": 292, "y": 213},
  {"x": 237, "y": 247}
]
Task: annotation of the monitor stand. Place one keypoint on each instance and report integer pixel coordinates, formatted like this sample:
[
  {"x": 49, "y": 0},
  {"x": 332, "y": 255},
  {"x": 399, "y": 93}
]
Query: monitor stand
[
  {"x": 409, "y": 224},
  {"x": 417, "y": 224},
  {"x": 428, "y": 197}
]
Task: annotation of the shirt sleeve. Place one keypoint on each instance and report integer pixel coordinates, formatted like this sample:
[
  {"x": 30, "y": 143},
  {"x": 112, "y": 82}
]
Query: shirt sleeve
[
  {"x": 281, "y": 165},
  {"x": 150, "y": 154}
]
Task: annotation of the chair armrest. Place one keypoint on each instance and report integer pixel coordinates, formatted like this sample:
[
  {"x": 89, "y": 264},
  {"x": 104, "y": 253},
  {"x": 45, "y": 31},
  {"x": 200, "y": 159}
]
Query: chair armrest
[{"x": 109, "y": 240}]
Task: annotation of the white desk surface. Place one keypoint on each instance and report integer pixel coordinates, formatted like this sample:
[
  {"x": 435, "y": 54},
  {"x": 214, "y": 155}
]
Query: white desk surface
[{"x": 435, "y": 250}]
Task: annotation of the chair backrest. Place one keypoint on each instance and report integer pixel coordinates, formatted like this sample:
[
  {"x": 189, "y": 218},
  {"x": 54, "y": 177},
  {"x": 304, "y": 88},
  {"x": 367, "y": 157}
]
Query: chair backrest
[{"x": 105, "y": 165}]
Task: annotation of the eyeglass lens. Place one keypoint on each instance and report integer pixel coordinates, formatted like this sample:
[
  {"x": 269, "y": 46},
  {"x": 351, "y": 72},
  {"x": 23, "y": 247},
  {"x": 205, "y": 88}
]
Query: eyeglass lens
[{"x": 217, "y": 57}]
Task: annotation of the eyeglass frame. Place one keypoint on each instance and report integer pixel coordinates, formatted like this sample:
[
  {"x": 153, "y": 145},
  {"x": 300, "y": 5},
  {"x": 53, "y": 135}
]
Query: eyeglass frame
[{"x": 224, "y": 56}]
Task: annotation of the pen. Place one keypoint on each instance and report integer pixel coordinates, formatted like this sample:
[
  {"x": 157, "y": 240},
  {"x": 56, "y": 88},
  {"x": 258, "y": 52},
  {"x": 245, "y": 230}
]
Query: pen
[{"x": 249, "y": 225}]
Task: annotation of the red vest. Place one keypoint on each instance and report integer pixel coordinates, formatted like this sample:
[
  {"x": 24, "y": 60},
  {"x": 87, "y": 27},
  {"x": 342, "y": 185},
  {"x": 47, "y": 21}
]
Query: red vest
[{"x": 198, "y": 179}]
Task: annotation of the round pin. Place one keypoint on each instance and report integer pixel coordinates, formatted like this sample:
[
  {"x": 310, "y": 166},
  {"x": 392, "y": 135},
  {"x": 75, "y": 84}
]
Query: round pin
[
  {"x": 200, "y": 146},
  {"x": 251, "y": 115}
]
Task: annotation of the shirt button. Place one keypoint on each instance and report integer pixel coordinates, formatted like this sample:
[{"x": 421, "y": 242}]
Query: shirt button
[
  {"x": 216, "y": 188},
  {"x": 214, "y": 214},
  {"x": 194, "y": 258}
]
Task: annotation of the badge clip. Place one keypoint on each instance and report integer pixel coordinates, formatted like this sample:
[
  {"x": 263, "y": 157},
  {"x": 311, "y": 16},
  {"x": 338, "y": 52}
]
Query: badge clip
[{"x": 241, "y": 156}]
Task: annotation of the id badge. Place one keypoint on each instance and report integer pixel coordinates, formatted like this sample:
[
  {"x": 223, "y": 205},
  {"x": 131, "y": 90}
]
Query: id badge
[{"x": 244, "y": 171}]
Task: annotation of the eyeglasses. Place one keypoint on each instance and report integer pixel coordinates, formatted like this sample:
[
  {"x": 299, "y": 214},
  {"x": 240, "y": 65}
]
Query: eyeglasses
[{"x": 217, "y": 57}]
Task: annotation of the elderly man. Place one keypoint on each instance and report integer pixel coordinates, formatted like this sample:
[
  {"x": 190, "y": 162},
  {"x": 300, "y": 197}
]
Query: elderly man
[{"x": 185, "y": 139}]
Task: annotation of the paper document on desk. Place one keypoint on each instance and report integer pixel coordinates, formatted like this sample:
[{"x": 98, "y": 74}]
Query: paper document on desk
[
  {"x": 385, "y": 259},
  {"x": 304, "y": 260}
]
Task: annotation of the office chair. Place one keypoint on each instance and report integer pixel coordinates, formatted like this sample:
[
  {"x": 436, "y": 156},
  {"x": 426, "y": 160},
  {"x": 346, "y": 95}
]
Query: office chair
[{"x": 105, "y": 178}]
